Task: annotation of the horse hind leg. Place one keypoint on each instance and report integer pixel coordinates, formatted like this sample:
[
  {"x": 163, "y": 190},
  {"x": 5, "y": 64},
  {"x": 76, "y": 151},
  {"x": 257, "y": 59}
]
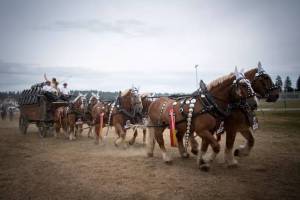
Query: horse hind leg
[
  {"x": 245, "y": 149},
  {"x": 151, "y": 142},
  {"x": 158, "y": 132}
]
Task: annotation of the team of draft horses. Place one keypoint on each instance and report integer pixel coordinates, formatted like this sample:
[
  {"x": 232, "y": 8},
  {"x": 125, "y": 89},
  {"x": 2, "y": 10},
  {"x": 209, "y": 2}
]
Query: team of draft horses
[{"x": 227, "y": 104}]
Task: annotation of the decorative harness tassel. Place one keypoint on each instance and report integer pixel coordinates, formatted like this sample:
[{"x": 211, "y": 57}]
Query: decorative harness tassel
[
  {"x": 191, "y": 104},
  {"x": 173, "y": 139},
  {"x": 109, "y": 117}
]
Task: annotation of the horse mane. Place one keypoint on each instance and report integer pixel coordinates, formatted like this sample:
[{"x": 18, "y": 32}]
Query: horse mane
[
  {"x": 125, "y": 92},
  {"x": 76, "y": 98},
  {"x": 145, "y": 95},
  {"x": 250, "y": 74},
  {"x": 219, "y": 81},
  {"x": 93, "y": 96}
]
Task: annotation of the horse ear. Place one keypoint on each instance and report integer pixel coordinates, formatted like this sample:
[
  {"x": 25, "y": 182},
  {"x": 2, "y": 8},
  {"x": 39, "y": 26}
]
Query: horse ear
[
  {"x": 242, "y": 72},
  {"x": 259, "y": 68},
  {"x": 236, "y": 72},
  {"x": 202, "y": 86}
]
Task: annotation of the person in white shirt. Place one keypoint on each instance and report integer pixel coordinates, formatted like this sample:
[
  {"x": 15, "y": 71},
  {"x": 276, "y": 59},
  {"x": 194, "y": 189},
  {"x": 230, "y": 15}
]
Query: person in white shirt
[
  {"x": 64, "y": 90},
  {"x": 49, "y": 91},
  {"x": 47, "y": 87}
]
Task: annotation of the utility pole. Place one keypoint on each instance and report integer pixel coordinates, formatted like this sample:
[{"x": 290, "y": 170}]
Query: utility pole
[{"x": 197, "y": 84}]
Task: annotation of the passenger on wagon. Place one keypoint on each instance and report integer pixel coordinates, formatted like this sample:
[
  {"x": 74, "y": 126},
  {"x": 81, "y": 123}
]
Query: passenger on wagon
[
  {"x": 47, "y": 87},
  {"x": 49, "y": 91},
  {"x": 65, "y": 92},
  {"x": 54, "y": 85}
]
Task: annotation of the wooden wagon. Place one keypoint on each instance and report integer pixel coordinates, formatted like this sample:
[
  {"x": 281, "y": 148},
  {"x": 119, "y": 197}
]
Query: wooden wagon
[{"x": 37, "y": 109}]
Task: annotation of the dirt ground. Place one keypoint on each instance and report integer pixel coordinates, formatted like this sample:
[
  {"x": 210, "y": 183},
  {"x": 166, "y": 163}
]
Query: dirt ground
[{"x": 49, "y": 168}]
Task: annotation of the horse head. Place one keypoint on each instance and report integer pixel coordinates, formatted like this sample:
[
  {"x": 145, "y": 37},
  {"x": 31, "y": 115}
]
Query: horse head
[
  {"x": 242, "y": 89},
  {"x": 131, "y": 100},
  {"x": 94, "y": 99},
  {"x": 264, "y": 86},
  {"x": 80, "y": 102}
]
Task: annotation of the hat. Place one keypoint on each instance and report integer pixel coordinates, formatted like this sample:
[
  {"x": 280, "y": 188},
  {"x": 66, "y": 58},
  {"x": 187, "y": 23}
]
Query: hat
[{"x": 65, "y": 84}]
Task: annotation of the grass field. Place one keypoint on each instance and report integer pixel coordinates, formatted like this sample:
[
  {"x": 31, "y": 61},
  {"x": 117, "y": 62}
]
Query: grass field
[
  {"x": 284, "y": 121},
  {"x": 289, "y": 103}
]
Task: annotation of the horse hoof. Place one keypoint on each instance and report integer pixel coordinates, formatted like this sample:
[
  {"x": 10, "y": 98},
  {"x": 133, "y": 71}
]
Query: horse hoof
[
  {"x": 204, "y": 167},
  {"x": 150, "y": 155},
  {"x": 232, "y": 165},
  {"x": 185, "y": 155},
  {"x": 168, "y": 162},
  {"x": 130, "y": 143},
  {"x": 195, "y": 152},
  {"x": 236, "y": 152}
]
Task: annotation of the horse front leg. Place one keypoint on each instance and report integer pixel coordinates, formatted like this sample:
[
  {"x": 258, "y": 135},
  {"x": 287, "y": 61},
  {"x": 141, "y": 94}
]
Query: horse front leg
[
  {"x": 244, "y": 150},
  {"x": 57, "y": 129},
  {"x": 181, "y": 148},
  {"x": 194, "y": 145},
  {"x": 71, "y": 132},
  {"x": 121, "y": 132},
  {"x": 207, "y": 138},
  {"x": 228, "y": 156},
  {"x": 132, "y": 140},
  {"x": 144, "y": 135}
]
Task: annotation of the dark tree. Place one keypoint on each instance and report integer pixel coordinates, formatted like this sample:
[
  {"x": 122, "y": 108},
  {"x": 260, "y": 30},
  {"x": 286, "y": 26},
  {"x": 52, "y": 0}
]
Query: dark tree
[
  {"x": 298, "y": 84},
  {"x": 279, "y": 81},
  {"x": 288, "y": 84}
]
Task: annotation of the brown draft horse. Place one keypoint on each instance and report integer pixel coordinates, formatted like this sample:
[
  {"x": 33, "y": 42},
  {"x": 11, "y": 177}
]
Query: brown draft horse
[
  {"x": 192, "y": 115},
  {"x": 98, "y": 108},
  {"x": 239, "y": 120},
  {"x": 146, "y": 101},
  {"x": 127, "y": 107},
  {"x": 93, "y": 100},
  {"x": 60, "y": 121},
  {"x": 75, "y": 112}
]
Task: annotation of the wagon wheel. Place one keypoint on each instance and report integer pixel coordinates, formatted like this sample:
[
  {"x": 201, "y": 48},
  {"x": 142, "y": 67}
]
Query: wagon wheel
[
  {"x": 43, "y": 129},
  {"x": 23, "y": 124}
]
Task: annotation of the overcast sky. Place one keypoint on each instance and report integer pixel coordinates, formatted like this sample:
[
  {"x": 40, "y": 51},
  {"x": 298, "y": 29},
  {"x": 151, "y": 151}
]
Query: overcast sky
[{"x": 112, "y": 45}]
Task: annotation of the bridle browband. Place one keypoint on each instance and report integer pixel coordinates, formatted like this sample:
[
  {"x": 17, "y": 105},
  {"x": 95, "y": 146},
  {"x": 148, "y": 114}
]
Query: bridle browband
[{"x": 250, "y": 91}]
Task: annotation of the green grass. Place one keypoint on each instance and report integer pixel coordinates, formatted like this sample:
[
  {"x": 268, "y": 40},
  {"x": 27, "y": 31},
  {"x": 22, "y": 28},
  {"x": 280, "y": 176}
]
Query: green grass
[
  {"x": 285, "y": 121},
  {"x": 295, "y": 103}
]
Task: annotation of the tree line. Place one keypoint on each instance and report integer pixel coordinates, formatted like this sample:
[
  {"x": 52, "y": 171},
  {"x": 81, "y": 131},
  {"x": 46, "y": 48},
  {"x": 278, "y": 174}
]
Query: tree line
[{"x": 287, "y": 86}]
